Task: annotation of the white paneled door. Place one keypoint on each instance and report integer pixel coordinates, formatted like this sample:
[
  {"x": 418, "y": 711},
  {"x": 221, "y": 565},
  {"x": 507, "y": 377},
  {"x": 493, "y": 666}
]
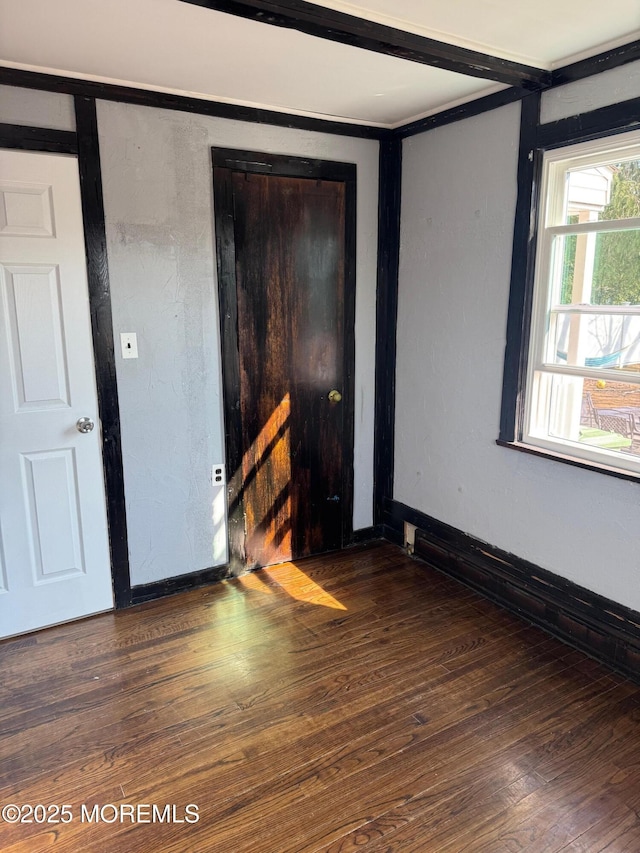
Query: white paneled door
[{"x": 54, "y": 548}]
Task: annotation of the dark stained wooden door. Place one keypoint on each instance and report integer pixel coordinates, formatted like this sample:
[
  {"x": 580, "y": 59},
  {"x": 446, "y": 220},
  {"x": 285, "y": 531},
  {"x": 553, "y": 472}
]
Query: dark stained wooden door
[{"x": 285, "y": 265}]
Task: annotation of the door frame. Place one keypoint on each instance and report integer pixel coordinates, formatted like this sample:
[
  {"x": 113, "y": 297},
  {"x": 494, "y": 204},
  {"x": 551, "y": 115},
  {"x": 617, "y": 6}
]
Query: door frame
[
  {"x": 225, "y": 162},
  {"x": 83, "y": 145}
]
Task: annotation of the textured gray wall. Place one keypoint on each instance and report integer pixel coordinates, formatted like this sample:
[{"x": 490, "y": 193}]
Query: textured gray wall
[
  {"x": 36, "y": 109},
  {"x": 156, "y": 168},
  {"x": 459, "y": 194},
  {"x": 609, "y": 87}
]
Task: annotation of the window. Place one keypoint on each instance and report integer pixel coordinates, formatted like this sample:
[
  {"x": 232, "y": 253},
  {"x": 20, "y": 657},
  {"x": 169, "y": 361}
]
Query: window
[{"x": 582, "y": 386}]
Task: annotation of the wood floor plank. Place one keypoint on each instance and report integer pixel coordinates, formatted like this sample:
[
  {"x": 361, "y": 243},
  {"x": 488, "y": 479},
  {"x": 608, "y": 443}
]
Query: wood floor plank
[
  {"x": 507, "y": 754},
  {"x": 416, "y": 766},
  {"x": 618, "y": 832},
  {"x": 359, "y": 701},
  {"x": 252, "y": 739}
]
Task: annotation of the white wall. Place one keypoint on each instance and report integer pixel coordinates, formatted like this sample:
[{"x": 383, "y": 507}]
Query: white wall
[
  {"x": 458, "y": 205},
  {"x": 156, "y": 170}
]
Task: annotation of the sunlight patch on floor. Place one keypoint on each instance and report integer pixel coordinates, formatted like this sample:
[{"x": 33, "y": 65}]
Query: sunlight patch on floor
[{"x": 300, "y": 586}]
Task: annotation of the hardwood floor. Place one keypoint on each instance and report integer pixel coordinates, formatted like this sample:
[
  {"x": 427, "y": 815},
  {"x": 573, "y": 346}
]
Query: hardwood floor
[{"x": 356, "y": 702}]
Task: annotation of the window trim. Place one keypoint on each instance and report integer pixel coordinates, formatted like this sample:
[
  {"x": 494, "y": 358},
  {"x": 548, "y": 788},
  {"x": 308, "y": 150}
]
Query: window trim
[{"x": 536, "y": 140}]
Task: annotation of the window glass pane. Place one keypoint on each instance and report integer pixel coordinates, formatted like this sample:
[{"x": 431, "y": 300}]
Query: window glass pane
[
  {"x": 586, "y": 309},
  {"x": 598, "y": 341},
  {"x": 599, "y": 193},
  {"x": 591, "y": 270},
  {"x": 589, "y": 412},
  {"x": 597, "y": 269}
]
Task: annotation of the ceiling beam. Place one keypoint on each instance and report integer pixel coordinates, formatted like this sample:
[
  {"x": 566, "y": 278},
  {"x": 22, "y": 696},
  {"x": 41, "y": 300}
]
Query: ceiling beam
[
  {"x": 336, "y": 26},
  {"x": 185, "y": 103},
  {"x": 613, "y": 58}
]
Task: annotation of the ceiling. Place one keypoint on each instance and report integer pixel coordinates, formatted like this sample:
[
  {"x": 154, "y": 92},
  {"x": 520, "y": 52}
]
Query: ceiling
[{"x": 173, "y": 46}]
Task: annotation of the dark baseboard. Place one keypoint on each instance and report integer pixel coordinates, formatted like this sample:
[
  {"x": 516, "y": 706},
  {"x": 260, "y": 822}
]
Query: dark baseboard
[
  {"x": 194, "y": 580},
  {"x": 366, "y": 534},
  {"x": 604, "y": 629},
  {"x": 393, "y": 535},
  {"x": 182, "y": 583}
]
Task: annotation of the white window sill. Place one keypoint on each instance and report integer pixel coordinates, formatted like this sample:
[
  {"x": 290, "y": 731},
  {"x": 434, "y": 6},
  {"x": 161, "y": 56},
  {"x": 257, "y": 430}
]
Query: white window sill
[{"x": 558, "y": 456}]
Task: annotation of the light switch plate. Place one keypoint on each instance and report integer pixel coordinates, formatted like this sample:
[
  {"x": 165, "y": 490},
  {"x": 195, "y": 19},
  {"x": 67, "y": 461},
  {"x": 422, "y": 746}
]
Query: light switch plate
[{"x": 129, "y": 344}]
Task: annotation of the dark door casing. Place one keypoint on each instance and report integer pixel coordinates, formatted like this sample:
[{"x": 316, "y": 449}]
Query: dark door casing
[{"x": 285, "y": 237}]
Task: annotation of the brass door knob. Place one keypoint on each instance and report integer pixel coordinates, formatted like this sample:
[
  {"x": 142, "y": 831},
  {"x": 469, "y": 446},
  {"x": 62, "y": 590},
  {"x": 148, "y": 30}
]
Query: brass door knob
[{"x": 335, "y": 396}]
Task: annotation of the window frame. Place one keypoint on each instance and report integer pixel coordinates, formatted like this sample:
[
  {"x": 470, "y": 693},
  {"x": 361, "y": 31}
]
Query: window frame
[{"x": 540, "y": 146}]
